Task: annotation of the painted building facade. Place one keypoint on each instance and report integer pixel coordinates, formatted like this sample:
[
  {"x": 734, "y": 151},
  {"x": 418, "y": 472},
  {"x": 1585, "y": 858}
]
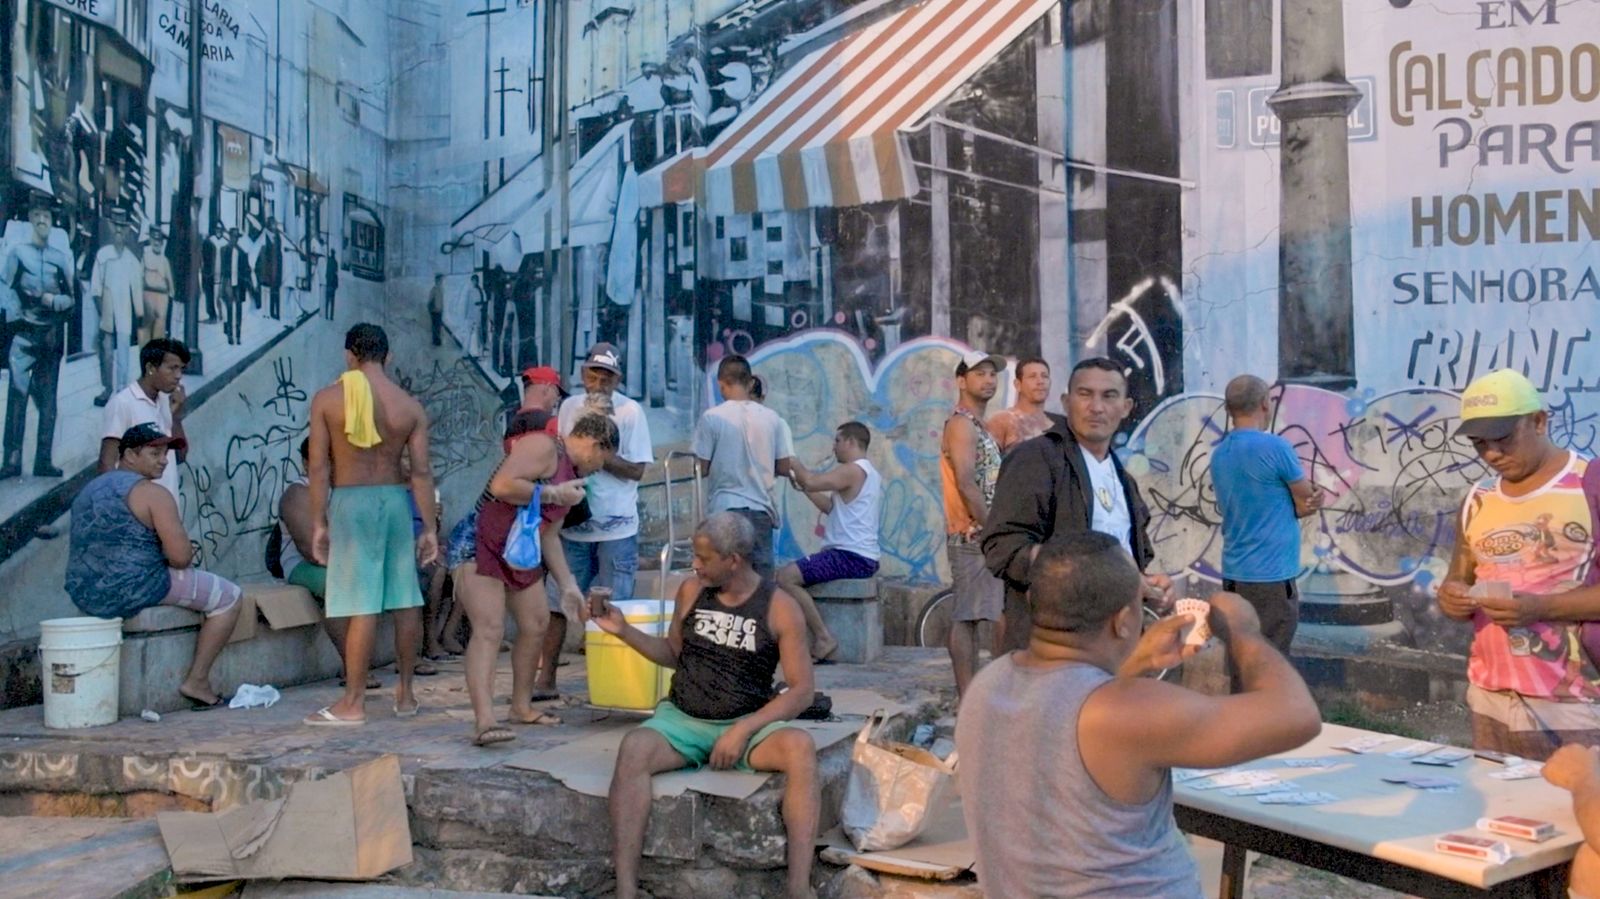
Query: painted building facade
[{"x": 849, "y": 192}]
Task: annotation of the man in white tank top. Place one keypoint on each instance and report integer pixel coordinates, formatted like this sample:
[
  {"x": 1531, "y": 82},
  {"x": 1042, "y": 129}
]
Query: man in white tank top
[{"x": 849, "y": 495}]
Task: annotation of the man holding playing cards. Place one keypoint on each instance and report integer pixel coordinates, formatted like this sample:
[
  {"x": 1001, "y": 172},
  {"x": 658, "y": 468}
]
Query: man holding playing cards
[
  {"x": 1523, "y": 558},
  {"x": 1052, "y": 757}
]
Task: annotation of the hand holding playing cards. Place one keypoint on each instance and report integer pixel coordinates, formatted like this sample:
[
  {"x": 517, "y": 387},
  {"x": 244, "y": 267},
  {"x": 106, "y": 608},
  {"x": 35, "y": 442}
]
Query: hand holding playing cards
[
  {"x": 1232, "y": 617},
  {"x": 1572, "y": 765},
  {"x": 1517, "y": 610},
  {"x": 1160, "y": 648},
  {"x": 1455, "y": 600}
]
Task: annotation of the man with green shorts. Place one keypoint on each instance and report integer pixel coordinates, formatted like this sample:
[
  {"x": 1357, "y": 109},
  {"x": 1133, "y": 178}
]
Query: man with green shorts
[
  {"x": 361, "y": 516},
  {"x": 730, "y": 631}
]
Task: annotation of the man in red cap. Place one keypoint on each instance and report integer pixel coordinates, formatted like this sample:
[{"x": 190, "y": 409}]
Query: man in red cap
[{"x": 541, "y": 391}]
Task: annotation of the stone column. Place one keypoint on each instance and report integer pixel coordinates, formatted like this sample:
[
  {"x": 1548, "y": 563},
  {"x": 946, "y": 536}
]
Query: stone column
[{"x": 1316, "y": 315}]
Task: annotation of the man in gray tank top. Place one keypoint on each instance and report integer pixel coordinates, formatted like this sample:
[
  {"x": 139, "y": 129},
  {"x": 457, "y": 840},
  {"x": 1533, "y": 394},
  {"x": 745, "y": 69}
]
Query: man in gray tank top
[{"x": 1067, "y": 744}]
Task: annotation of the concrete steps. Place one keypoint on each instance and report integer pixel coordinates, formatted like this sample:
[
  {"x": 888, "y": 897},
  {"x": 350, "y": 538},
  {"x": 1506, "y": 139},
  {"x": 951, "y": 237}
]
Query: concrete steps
[{"x": 86, "y": 858}]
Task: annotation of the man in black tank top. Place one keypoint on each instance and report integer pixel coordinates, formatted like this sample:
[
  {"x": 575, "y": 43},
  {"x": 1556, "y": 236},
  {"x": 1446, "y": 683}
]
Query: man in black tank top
[{"x": 731, "y": 631}]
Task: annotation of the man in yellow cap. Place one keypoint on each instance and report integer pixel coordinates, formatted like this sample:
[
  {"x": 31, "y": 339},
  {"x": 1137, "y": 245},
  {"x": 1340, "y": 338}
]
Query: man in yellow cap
[{"x": 1519, "y": 574}]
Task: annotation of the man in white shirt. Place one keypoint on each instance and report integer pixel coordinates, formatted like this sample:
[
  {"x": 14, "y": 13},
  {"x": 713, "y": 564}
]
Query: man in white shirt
[
  {"x": 157, "y": 397},
  {"x": 603, "y": 551},
  {"x": 850, "y": 495},
  {"x": 740, "y": 447},
  {"x": 117, "y": 284}
]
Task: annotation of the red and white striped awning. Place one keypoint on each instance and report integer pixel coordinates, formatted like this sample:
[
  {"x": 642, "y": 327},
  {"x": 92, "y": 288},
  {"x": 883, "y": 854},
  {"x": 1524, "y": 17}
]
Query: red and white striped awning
[{"x": 831, "y": 131}]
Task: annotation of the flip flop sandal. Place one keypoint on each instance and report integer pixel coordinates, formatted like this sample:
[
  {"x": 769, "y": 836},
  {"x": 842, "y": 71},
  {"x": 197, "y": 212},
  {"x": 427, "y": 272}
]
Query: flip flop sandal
[
  {"x": 544, "y": 696},
  {"x": 543, "y": 719},
  {"x": 823, "y": 662},
  {"x": 492, "y": 735},
  {"x": 411, "y": 712},
  {"x": 424, "y": 669},
  {"x": 372, "y": 682},
  {"x": 324, "y": 717},
  {"x": 200, "y": 705}
]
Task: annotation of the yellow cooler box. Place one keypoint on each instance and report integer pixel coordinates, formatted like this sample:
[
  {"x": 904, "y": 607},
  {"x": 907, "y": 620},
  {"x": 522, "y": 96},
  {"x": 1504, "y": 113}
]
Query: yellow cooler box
[{"x": 619, "y": 677}]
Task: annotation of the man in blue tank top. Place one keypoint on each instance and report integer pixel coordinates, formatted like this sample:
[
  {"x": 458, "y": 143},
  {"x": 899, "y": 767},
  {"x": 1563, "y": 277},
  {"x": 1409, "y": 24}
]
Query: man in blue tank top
[
  {"x": 1066, "y": 743},
  {"x": 731, "y": 630}
]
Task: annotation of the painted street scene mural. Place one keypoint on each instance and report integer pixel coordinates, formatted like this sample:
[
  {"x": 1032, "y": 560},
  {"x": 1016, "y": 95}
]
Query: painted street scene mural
[
  {"x": 849, "y": 194},
  {"x": 360, "y": 359}
]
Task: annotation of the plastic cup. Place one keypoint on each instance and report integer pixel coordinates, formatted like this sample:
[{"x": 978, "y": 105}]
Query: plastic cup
[{"x": 599, "y": 599}]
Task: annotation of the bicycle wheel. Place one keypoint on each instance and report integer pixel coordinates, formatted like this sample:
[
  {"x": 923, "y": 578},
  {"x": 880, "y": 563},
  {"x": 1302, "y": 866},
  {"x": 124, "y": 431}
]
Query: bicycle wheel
[{"x": 933, "y": 622}]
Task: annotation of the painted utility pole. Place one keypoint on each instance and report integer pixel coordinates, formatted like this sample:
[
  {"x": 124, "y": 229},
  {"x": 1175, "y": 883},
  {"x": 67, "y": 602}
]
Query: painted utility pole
[
  {"x": 195, "y": 164},
  {"x": 488, "y": 13},
  {"x": 1316, "y": 313}
]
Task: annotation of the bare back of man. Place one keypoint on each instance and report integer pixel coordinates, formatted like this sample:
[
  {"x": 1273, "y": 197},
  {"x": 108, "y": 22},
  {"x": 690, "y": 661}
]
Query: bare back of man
[
  {"x": 361, "y": 429},
  {"x": 398, "y": 416}
]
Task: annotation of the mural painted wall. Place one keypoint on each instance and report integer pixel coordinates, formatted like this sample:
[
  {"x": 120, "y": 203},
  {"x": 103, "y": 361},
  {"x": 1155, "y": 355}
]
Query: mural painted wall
[
  {"x": 274, "y": 197},
  {"x": 849, "y": 191}
]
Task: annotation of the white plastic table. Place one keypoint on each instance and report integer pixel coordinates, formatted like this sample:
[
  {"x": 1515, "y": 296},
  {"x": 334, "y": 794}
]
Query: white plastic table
[{"x": 1383, "y": 833}]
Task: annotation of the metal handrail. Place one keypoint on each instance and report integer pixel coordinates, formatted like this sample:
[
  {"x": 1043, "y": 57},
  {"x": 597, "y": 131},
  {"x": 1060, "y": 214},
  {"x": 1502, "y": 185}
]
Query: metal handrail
[{"x": 667, "y": 548}]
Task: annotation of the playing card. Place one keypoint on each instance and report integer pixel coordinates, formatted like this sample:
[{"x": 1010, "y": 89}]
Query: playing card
[
  {"x": 1184, "y": 775},
  {"x": 1199, "y": 610},
  {"x": 1412, "y": 751},
  {"x": 1296, "y": 798},
  {"x": 1434, "y": 783},
  {"x": 1261, "y": 789},
  {"x": 1362, "y": 745},
  {"x": 1311, "y": 763},
  {"x": 1233, "y": 779},
  {"x": 1444, "y": 757},
  {"x": 1523, "y": 771}
]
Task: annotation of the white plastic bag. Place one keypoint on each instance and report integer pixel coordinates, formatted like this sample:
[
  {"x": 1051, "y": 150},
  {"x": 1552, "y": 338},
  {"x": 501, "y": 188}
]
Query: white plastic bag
[
  {"x": 893, "y": 790},
  {"x": 250, "y": 696}
]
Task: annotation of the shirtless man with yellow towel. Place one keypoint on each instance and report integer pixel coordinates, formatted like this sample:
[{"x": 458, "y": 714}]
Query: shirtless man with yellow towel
[{"x": 361, "y": 516}]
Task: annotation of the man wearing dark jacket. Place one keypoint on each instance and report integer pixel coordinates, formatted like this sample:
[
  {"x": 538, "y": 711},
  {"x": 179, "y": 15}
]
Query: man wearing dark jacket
[{"x": 1068, "y": 480}]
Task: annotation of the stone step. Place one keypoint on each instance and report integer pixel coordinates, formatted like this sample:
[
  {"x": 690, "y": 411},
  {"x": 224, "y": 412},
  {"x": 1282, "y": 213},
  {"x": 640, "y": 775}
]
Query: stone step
[
  {"x": 317, "y": 889},
  {"x": 86, "y": 858}
]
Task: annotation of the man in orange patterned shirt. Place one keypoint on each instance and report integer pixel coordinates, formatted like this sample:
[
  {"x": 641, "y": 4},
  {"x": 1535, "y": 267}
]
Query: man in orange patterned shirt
[{"x": 1523, "y": 573}]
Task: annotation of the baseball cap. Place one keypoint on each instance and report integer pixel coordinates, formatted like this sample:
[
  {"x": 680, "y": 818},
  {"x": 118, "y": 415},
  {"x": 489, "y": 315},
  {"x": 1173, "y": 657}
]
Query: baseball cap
[
  {"x": 149, "y": 434},
  {"x": 604, "y": 355},
  {"x": 974, "y": 358},
  {"x": 541, "y": 374},
  {"x": 1491, "y": 405}
]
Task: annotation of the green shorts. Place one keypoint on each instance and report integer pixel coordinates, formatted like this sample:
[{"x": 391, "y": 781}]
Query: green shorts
[
  {"x": 372, "y": 555},
  {"x": 311, "y": 576},
  {"x": 693, "y": 738}
]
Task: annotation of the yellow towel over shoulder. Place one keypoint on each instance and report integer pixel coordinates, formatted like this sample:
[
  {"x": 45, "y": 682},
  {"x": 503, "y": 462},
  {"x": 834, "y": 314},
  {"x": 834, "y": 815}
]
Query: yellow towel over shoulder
[{"x": 360, "y": 427}]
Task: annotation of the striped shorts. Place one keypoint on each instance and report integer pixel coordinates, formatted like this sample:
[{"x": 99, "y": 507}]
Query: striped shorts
[{"x": 201, "y": 591}]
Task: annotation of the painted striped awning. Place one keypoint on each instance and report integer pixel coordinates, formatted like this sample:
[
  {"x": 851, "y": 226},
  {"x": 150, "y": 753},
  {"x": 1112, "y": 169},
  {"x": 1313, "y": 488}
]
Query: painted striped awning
[{"x": 831, "y": 131}]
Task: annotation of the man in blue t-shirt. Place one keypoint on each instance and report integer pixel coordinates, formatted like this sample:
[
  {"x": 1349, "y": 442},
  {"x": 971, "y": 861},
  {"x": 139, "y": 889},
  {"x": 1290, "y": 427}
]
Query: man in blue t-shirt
[{"x": 1261, "y": 490}]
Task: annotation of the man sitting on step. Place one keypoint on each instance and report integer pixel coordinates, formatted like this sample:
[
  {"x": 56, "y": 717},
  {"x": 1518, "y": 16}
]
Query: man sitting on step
[
  {"x": 128, "y": 551},
  {"x": 730, "y": 631},
  {"x": 849, "y": 494}
]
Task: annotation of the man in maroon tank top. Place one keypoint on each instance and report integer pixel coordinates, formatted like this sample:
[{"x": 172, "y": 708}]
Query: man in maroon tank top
[{"x": 731, "y": 631}]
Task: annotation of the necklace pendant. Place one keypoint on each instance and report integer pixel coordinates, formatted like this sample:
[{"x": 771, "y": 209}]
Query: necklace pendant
[{"x": 1103, "y": 494}]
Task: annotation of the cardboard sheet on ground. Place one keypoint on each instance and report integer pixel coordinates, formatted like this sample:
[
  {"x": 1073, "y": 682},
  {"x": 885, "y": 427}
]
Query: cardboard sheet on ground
[
  {"x": 349, "y": 826},
  {"x": 943, "y": 852},
  {"x": 585, "y": 765}
]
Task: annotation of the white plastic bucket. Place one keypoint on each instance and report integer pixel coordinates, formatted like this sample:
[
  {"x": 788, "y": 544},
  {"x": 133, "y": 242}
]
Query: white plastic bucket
[{"x": 81, "y": 664}]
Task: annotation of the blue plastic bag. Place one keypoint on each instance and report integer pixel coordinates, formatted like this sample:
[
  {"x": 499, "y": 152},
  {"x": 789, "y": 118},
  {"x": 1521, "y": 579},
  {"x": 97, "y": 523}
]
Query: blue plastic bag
[{"x": 523, "y": 549}]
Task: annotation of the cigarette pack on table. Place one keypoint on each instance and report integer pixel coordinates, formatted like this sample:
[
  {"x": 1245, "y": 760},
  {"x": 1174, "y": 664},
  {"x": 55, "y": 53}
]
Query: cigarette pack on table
[
  {"x": 1484, "y": 850},
  {"x": 1530, "y": 829}
]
